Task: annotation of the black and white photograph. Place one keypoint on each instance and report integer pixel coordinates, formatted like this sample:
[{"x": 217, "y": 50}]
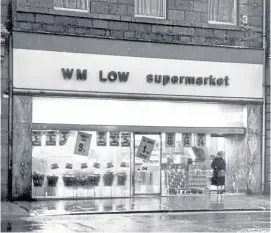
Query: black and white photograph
[{"x": 135, "y": 116}]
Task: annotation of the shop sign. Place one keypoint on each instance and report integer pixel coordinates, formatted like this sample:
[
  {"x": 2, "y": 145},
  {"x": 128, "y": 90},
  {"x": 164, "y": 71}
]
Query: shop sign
[
  {"x": 147, "y": 168},
  {"x": 36, "y": 138},
  {"x": 145, "y": 148},
  {"x": 63, "y": 137},
  {"x": 135, "y": 75},
  {"x": 50, "y": 138},
  {"x": 170, "y": 139},
  {"x": 125, "y": 139},
  {"x": 101, "y": 138},
  {"x": 82, "y": 145},
  {"x": 114, "y": 138}
]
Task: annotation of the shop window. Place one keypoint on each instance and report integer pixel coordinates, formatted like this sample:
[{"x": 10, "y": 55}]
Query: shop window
[
  {"x": 185, "y": 168},
  {"x": 150, "y": 8},
  {"x": 223, "y": 12},
  {"x": 64, "y": 166},
  {"x": 72, "y": 5}
]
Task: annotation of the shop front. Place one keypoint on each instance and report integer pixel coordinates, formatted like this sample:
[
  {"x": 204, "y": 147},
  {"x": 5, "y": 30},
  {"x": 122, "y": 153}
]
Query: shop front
[{"x": 97, "y": 124}]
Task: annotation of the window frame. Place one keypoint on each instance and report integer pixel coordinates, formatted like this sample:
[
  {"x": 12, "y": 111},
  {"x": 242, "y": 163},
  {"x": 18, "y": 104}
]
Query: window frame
[
  {"x": 152, "y": 17},
  {"x": 224, "y": 23},
  {"x": 73, "y": 9}
]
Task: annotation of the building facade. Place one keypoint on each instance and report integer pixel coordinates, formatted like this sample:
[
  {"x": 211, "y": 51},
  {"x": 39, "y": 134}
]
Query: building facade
[{"x": 132, "y": 97}]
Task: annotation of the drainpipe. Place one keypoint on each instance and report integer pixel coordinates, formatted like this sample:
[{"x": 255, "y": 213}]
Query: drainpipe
[
  {"x": 264, "y": 102},
  {"x": 10, "y": 123}
]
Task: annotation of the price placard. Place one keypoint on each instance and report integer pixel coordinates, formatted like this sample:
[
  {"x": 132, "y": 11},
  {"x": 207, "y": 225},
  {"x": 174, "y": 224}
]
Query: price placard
[
  {"x": 82, "y": 145},
  {"x": 147, "y": 168},
  {"x": 63, "y": 137},
  {"x": 36, "y": 138},
  {"x": 187, "y": 139},
  {"x": 101, "y": 138},
  {"x": 50, "y": 138},
  {"x": 170, "y": 139},
  {"x": 145, "y": 148},
  {"x": 125, "y": 139},
  {"x": 114, "y": 138},
  {"x": 201, "y": 139}
]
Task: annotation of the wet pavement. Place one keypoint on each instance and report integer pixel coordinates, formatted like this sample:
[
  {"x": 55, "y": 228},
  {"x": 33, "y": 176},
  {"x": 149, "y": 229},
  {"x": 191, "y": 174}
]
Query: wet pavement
[
  {"x": 147, "y": 204},
  {"x": 10, "y": 210},
  {"x": 235, "y": 221}
]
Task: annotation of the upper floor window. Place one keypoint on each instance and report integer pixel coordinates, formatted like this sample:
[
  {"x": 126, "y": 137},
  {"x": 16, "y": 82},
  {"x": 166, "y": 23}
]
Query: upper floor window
[
  {"x": 73, "y": 5},
  {"x": 150, "y": 8},
  {"x": 223, "y": 12}
]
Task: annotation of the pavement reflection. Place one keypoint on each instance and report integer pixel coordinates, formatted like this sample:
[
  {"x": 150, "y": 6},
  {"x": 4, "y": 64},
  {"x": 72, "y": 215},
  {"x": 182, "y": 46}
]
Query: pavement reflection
[
  {"x": 148, "y": 204},
  {"x": 155, "y": 222}
]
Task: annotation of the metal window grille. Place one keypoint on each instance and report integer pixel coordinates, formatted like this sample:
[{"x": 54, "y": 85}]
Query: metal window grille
[
  {"x": 223, "y": 12},
  {"x": 77, "y": 5},
  {"x": 150, "y": 8}
]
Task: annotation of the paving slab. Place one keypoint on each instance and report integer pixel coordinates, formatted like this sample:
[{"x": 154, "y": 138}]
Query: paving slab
[{"x": 11, "y": 210}]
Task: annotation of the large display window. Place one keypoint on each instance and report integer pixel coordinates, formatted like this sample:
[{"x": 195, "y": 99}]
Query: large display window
[
  {"x": 96, "y": 164},
  {"x": 102, "y": 171}
]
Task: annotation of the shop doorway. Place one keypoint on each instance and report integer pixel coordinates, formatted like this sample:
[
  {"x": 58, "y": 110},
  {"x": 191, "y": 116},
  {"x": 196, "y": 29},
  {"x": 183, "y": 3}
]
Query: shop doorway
[
  {"x": 147, "y": 173},
  {"x": 217, "y": 143}
]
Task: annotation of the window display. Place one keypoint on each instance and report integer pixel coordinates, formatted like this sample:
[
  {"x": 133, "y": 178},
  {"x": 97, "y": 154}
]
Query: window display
[
  {"x": 185, "y": 167},
  {"x": 117, "y": 164},
  {"x": 147, "y": 164},
  {"x": 67, "y": 166}
]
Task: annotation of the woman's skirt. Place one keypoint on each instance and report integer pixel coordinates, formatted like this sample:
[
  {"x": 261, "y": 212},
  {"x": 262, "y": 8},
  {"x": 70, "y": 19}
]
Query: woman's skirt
[{"x": 218, "y": 181}]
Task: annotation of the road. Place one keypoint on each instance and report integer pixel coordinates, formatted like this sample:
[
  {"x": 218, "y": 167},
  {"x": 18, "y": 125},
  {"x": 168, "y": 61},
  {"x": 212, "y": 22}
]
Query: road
[{"x": 258, "y": 221}]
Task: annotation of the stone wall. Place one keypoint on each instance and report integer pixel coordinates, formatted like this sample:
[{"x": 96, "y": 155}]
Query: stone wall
[
  {"x": 236, "y": 163},
  {"x": 186, "y": 22},
  {"x": 244, "y": 157},
  {"x": 22, "y": 151},
  {"x": 254, "y": 150}
]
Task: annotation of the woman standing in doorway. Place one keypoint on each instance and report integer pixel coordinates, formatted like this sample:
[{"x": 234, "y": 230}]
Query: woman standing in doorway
[{"x": 219, "y": 166}]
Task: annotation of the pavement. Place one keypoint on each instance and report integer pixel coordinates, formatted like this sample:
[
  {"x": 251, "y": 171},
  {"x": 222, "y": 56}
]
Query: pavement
[
  {"x": 198, "y": 213},
  {"x": 182, "y": 203},
  {"x": 240, "y": 222}
]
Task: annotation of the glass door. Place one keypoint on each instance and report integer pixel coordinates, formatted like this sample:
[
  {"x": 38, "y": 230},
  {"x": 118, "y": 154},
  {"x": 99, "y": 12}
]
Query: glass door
[{"x": 147, "y": 164}]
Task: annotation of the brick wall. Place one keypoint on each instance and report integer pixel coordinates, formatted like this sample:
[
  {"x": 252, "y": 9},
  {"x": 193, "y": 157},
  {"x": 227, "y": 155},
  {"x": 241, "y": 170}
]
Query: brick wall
[
  {"x": 4, "y": 101},
  {"x": 186, "y": 23}
]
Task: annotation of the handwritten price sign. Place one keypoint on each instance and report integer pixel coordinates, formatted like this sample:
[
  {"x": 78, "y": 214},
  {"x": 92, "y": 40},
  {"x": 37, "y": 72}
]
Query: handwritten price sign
[
  {"x": 82, "y": 145},
  {"x": 145, "y": 148}
]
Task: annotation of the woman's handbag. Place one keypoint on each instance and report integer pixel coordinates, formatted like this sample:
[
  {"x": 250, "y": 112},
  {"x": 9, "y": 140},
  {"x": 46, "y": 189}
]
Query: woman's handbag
[{"x": 221, "y": 173}]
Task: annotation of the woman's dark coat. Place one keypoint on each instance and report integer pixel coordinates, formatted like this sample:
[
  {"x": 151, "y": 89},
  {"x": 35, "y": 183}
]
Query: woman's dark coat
[{"x": 218, "y": 164}]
